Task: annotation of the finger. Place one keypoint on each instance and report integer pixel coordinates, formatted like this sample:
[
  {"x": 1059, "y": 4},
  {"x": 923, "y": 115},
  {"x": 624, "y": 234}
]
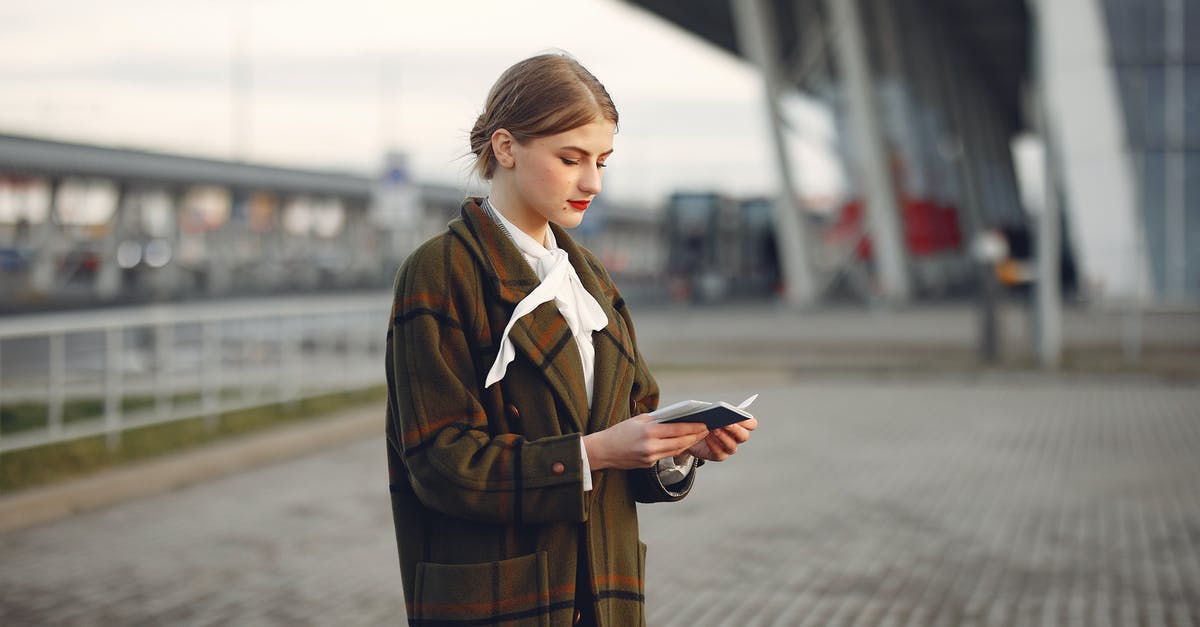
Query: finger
[
  {"x": 749, "y": 424},
  {"x": 722, "y": 441},
  {"x": 675, "y": 446},
  {"x": 714, "y": 450},
  {"x": 677, "y": 429},
  {"x": 737, "y": 432}
]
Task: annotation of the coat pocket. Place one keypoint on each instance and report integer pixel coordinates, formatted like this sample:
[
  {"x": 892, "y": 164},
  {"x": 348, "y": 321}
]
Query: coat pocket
[{"x": 511, "y": 592}]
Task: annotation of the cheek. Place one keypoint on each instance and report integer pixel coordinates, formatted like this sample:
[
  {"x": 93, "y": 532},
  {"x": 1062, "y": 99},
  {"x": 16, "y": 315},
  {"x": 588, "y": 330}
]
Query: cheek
[{"x": 547, "y": 180}]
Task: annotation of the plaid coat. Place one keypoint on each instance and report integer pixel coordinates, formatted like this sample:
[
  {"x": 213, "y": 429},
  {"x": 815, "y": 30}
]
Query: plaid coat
[{"x": 486, "y": 484}]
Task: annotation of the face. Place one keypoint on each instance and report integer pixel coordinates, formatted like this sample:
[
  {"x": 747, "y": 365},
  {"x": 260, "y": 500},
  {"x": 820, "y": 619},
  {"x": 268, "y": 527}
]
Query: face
[{"x": 554, "y": 178}]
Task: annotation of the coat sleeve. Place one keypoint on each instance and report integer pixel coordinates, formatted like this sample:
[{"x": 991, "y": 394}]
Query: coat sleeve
[
  {"x": 455, "y": 463},
  {"x": 643, "y": 397}
]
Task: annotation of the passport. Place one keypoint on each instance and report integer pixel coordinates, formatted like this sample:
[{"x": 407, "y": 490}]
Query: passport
[{"x": 714, "y": 415}]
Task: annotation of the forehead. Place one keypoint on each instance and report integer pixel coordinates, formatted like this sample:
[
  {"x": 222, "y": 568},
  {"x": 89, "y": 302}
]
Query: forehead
[{"x": 595, "y": 137}]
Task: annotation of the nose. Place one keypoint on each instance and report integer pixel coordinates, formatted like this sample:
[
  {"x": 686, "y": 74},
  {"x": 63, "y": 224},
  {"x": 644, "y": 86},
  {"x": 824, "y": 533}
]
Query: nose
[{"x": 589, "y": 182}]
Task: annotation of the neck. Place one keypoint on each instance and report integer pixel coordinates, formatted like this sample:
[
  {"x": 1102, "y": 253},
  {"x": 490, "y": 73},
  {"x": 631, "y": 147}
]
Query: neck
[{"x": 531, "y": 223}]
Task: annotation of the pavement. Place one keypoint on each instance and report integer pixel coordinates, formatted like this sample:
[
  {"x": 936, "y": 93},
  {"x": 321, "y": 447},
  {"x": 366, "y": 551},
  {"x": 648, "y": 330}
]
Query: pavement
[
  {"x": 865, "y": 498},
  {"x": 936, "y": 338}
]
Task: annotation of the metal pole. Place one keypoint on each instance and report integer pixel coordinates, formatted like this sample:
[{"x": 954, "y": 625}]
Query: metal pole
[
  {"x": 210, "y": 372},
  {"x": 1049, "y": 290},
  {"x": 298, "y": 370},
  {"x": 875, "y": 175},
  {"x": 164, "y": 348},
  {"x": 57, "y": 383},
  {"x": 756, "y": 36},
  {"x": 112, "y": 387},
  {"x": 347, "y": 337},
  {"x": 287, "y": 357}
]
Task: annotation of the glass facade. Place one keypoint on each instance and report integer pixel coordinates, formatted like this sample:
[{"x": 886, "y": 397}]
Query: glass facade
[{"x": 1158, "y": 72}]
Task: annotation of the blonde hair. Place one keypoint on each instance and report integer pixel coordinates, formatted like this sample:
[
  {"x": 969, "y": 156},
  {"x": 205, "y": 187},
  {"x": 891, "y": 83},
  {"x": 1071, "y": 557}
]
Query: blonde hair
[{"x": 543, "y": 95}]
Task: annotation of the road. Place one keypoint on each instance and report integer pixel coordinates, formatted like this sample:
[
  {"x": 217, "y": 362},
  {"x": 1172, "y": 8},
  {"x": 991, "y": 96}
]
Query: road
[{"x": 886, "y": 500}]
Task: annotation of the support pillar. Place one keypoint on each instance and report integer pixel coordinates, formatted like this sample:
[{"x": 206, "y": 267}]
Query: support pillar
[
  {"x": 874, "y": 174},
  {"x": 108, "y": 281},
  {"x": 1049, "y": 255},
  {"x": 756, "y": 36},
  {"x": 48, "y": 244}
]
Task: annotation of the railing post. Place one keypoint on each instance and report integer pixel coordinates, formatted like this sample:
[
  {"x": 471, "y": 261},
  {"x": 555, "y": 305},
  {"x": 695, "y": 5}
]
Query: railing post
[
  {"x": 1, "y": 386},
  {"x": 261, "y": 359},
  {"x": 287, "y": 381},
  {"x": 240, "y": 366},
  {"x": 298, "y": 370},
  {"x": 58, "y": 377},
  {"x": 210, "y": 372},
  {"x": 112, "y": 387},
  {"x": 350, "y": 368},
  {"x": 164, "y": 358}
]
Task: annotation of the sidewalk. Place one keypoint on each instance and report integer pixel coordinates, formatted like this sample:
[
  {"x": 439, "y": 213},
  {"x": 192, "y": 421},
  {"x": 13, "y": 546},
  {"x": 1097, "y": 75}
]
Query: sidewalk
[
  {"x": 861, "y": 500},
  {"x": 227, "y": 457},
  {"x": 940, "y": 338}
]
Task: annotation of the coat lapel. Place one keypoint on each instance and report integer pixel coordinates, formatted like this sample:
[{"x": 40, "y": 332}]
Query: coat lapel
[
  {"x": 542, "y": 336},
  {"x": 614, "y": 350}
]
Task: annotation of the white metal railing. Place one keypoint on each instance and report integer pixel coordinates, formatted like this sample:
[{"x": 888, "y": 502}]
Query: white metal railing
[{"x": 102, "y": 372}]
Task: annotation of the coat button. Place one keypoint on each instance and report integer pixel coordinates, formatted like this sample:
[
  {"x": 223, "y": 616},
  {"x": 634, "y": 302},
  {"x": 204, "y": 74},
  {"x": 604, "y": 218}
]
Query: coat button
[
  {"x": 512, "y": 412},
  {"x": 558, "y": 468}
]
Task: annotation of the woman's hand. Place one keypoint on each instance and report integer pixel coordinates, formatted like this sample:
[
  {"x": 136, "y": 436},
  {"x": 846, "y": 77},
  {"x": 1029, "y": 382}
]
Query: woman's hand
[
  {"x": 719, "y": 444},
  {"x": 638, "y": 443}
]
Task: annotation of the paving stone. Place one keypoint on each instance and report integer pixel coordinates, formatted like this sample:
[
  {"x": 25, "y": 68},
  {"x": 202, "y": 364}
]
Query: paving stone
[{"x": 860, "y": 501}]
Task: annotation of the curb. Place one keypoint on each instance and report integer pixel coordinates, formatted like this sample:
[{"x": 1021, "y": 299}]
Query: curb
[{"x": 45, "y": 504}]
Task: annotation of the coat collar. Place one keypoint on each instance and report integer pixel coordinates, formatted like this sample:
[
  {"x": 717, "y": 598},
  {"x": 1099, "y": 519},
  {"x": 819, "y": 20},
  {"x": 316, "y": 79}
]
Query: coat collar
[{"x": 543, "y": 336}]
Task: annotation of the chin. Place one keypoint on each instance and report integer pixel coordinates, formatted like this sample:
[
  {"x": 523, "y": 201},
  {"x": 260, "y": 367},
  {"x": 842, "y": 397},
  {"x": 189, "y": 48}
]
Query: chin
[{"x": 569, "y": 220}]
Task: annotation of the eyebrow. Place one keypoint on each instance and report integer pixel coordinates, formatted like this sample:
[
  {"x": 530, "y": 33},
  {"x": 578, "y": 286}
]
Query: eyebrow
[{"x": 586, "y": 153}]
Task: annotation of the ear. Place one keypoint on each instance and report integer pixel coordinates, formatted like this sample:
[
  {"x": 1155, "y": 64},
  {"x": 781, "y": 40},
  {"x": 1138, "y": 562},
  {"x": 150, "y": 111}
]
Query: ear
[{"x": 502, "y": 148}]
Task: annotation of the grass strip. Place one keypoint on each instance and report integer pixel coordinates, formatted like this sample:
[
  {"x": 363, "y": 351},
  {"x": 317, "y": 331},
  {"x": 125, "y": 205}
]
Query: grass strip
[{"x": 42, "y": 465}]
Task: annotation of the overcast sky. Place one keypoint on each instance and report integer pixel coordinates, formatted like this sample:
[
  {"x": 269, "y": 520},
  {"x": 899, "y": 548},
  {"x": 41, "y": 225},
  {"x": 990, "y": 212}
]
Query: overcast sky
[{"x": 333, "y": 84}]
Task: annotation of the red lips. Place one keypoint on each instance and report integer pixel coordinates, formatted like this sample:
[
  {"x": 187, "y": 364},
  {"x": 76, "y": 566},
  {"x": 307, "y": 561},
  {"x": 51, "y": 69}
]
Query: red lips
[{"x": 579, "y": 204}]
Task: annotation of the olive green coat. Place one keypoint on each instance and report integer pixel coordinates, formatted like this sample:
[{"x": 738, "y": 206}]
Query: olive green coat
[{"x": 486, "y": 484}]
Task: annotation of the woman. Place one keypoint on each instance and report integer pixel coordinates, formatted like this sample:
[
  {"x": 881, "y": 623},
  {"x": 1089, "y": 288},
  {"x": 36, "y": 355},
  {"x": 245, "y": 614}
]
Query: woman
[{"x": 517, "y": 443}]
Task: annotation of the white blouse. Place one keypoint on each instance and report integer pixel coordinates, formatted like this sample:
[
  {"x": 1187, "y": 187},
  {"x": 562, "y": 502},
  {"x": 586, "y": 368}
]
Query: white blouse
[{"x": 560, "y": 283}]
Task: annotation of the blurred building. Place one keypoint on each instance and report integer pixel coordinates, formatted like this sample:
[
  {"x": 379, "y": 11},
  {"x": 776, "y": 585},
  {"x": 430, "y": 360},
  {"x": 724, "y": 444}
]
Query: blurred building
[
  {"x": 86, "y": 225},
  {"x": 932, "y": 95},
  {"x": 83, "y": 224}
]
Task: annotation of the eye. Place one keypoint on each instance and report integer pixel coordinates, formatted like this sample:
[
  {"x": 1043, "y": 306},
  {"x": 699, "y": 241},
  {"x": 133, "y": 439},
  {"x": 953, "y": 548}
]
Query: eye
[
  {"x": 601, "y": 164},
  {"x": 569, "y": 161}
]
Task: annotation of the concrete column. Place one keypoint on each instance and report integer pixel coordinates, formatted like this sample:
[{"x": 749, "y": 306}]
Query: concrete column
[
  {"x": 756, "y": 36},
  {"x": 219, "y": 245},
  {"x": 1084, "y": 117},
  {"x": 167, "y": 279},
  {"x": 1049, "y": 290},
  {"x": 903, "y": 125},
  {"x": 108, "y": 282},
  {"x": 48, "y": 242},
  {"x": 874, "y": 174}
]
